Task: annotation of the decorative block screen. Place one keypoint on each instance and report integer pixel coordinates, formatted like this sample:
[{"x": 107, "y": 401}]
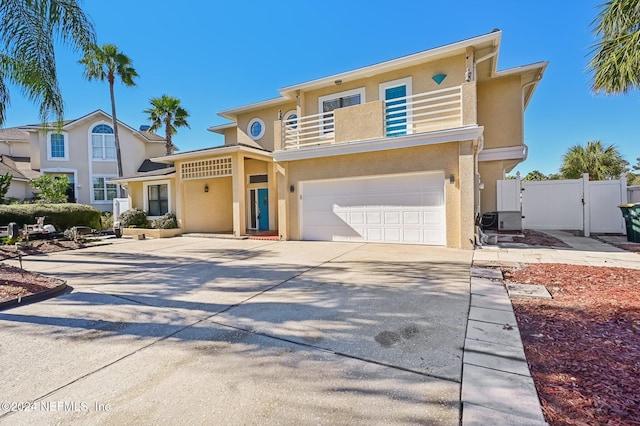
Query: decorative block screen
[{"x": 215, "y": 167}]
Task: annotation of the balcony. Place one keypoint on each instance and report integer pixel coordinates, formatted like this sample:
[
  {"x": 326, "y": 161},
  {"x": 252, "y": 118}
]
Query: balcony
[{"x": 442, "y": 109}]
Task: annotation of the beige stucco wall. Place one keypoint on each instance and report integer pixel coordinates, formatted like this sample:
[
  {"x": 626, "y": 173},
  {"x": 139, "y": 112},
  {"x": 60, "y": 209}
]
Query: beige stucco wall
[
  {"x": 359, "y": 122},
  {"x": 448, "y": 158},
  {"x": 207, "y": 211},
  {"x": 154, "y": 149},
  {"x": 268, "y": 116},
  {"x": 15, "y": 148},
  {"x": 19, "y": 190},
  {"x": 500, "y": 112},
  {"x": 231, "y": 136},
  {"x": 136, "y": 195}
]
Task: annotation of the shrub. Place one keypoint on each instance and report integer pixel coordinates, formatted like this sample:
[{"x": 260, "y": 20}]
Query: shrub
[
  {"x": 62, "y": 216},
  {"x": 166, "y": 221},
  {"x": 106, "y": 220},
  {"x": 134, "y": 218},
  {"x": 53, "y": 189}
]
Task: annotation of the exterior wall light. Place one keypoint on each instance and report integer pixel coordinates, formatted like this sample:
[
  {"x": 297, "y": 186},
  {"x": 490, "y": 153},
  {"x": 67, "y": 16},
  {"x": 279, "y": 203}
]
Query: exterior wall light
[
  {"x": 206, "y": 187},
  {"x": 452, "y": 178},
  {"x": 292, "y": 188}
]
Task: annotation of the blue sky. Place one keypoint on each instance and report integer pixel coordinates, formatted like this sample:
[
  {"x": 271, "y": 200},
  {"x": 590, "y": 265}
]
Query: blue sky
[{"x": 219, "y": 55}]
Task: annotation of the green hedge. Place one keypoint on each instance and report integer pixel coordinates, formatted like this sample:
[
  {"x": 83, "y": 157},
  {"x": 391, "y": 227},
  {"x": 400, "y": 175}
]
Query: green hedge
[{"x": 62, "y": 216}]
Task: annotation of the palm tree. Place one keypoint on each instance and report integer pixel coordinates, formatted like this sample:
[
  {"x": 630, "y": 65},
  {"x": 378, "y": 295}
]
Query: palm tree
[
  {"x": 166, "y": 111},
  {"x": 616, "y": 56},
  {"x": 107, "y": 62},
  {"x": 28, "y": 30},
  {"x": 600, "y": 162}
]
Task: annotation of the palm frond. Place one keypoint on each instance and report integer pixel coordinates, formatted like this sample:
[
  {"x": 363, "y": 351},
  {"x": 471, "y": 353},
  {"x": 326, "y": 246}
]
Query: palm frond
[{"x": 28, "y": 29}]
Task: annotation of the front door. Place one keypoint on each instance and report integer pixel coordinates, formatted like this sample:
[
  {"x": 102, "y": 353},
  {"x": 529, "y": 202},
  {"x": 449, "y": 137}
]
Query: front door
[
  {"x": 263, "y": 209},
  {"x": 259, "y": 209}
]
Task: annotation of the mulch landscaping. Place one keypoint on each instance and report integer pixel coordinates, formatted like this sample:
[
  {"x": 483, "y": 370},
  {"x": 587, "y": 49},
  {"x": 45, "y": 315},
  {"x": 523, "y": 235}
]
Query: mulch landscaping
[
  {"x": 16, "y": 283},
  {"x": 583, "y": 346},
  {"x": 38, "y": 247},
  {"x": 536, "y": 238}
]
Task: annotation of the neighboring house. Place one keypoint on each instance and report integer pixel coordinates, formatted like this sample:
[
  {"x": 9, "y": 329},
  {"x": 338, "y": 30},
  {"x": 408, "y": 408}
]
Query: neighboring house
[
  {"x": 403, "y": 151},
  {"x": 83, "y": 150}
]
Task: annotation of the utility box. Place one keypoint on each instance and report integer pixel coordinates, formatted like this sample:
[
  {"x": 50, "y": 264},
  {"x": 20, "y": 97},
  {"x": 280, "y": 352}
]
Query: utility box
[{"x": 510, "y": 221}]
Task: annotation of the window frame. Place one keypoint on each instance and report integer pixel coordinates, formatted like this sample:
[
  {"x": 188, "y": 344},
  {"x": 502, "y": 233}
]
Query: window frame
[
  {"x": 65, "y": 138},
  {"x": 262, "y": 130},
  {"x": 407, "y": 82},
  {"x": 103, "y": 145},
  {"x": 145, "y": 190},
  {"x": 288, "y": 115},
  {"x": 322, "y": 99},
  {"x": 106, "y": 178}
]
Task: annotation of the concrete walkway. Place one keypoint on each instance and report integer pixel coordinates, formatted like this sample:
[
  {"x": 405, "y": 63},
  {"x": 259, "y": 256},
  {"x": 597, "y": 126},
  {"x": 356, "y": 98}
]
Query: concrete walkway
[
  {"x": 497, "y": 387},
  {"x": 582, "y": 251}
]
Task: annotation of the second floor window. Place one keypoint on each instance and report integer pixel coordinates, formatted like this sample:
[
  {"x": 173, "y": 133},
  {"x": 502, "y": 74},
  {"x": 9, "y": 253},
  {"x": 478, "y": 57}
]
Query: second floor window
[
  {"x": 328, "y": 103},
  {"x": 57, "y": 149},
  {"x": 103, "y": 143}
]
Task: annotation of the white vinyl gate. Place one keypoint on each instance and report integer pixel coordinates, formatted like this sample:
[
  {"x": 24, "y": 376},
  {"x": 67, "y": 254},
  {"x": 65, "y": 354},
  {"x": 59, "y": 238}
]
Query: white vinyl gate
[{"x": 571, "y": 204}]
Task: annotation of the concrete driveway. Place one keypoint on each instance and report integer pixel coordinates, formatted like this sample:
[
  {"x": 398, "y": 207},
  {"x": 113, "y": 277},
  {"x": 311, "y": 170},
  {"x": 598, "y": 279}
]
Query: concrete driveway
[{"x": 201, "y": 331}]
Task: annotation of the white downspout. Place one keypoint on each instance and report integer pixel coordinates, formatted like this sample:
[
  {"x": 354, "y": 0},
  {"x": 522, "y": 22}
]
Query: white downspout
[{"x": 479, "y": 149}]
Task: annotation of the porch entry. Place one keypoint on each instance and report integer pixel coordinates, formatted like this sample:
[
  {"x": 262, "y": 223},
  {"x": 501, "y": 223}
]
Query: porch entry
[{"x": 259, "y": 209}]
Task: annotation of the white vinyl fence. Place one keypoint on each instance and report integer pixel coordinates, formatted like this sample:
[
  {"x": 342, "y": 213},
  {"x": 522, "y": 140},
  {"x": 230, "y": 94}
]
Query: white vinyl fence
[
  {"x": 633, "y": 194},
  {"x": 571, "y": 204},
  {"x": 120, "y": 205}
]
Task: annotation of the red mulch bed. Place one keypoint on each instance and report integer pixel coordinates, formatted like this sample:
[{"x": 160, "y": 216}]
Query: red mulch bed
[
  {"x": 38, "y": 247},
  {"x": 535, "y": 238},
  {"x": 583, "y": 346},
  {"x": 17, "y": 283}
]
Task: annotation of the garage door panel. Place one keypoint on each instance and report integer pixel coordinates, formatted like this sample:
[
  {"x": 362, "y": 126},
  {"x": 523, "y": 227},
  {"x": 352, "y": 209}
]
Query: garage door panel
[
  {"x": 433, "y": 217},
  {"x": 392, "y": 217},
  {"x": 397, "y": 208}
]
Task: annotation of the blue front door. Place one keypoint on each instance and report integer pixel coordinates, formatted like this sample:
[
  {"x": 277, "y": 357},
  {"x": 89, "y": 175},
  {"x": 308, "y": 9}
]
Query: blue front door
[
  {"x": 396, "y": 111},
  {"x": 263, "y": 209}
]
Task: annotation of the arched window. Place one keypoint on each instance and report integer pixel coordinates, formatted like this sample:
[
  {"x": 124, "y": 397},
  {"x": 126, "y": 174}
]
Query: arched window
[{"x": 103, "y": 144}]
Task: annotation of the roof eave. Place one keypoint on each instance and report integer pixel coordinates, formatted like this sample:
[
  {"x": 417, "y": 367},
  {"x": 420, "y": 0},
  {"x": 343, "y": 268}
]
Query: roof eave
[
  {"x": 492, "y": 38},
  {"x": 169, "y": 159},
  {"x": 221, "y": 128},
  {"x": 232, "y": 114}
]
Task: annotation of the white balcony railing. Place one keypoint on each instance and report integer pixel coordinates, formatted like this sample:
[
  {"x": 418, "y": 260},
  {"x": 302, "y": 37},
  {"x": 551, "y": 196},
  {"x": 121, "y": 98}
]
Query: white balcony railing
[
  {"x": 317, "y": 129},
  {"x": 423, "y": 112}
]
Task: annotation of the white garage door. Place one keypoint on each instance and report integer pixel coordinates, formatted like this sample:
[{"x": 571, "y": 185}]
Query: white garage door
[{"x": 407, "y": 208}]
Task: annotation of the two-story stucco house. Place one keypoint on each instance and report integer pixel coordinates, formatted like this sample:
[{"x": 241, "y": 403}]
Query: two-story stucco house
[
  {"x": 403, "y": 151},
  {"x": 82, "y": 149}
]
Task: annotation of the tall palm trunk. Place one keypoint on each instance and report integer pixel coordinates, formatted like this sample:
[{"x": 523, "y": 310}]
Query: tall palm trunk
[
  {"x": 114, "y": 119},
  {"x": 168, "y": 142}
]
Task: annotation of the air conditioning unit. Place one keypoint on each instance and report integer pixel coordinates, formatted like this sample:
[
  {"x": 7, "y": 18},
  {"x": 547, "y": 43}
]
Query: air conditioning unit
[{"x": 510, "y": 221}]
